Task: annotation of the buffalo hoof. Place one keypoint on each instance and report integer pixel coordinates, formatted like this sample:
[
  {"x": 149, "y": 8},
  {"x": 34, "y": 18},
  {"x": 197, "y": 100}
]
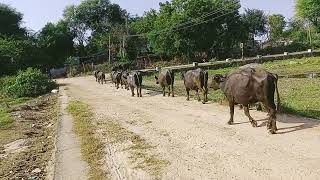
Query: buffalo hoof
[
  {"x": 272, "y": 131},
  {"x": 254, "y": 123},
  {"x": 230, "y": 122},
  {"x": 203, "y": 102}
]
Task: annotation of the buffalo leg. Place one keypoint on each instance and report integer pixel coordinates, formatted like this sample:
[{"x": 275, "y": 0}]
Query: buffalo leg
[
  {"x": 188, "y": 94},
  {"x": 140, "y": 91},
  {"x": 231, "y": 106},
  {"x": 169, "y": 91},
  {"x": 272, "y": 122},
  {"x": 164, "y": 91},
  {"x": 138, "y": 95},
  {"x": 172, "y": 92},
  {"x": 271, "y": 125},
  {"x": 247, "y": 113},
  {"x": 132, "y": 91},
  {"x": 198, "y": 95},
  {"x": 204, "y": 96}
]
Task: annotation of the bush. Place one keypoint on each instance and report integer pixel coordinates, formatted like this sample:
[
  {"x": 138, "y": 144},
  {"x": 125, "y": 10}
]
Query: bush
[
  {"x": 5, "y": 82},
  {"x": 30, "y": 83}
]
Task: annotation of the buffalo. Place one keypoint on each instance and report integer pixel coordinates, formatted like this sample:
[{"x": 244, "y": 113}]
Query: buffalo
[
  {"x": 196, "y": 80},
  {"x": 124, "y": 81},
  {"x": 134, "y": 80},
  {"x": 116, "y": 78},
  {"x": 95, "y": 73},
  {"x": 248, "y": 86},
  {"x": 101, "y": 77},
  {"x": 166, "y": 79}
]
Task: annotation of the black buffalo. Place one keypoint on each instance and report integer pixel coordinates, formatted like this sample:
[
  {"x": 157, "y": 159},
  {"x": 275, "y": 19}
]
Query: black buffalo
[
  {"x": 96, "y": 75},
  {"x": 166, "y": 79},
  {"x": 124, "y": 77},
  {"x": 134, "y": 80},
  {"x": 116, "y": 78},
  {"x": 101, "y": 77},
  {"x": 196, "y": 80},
  {"x": 250, "y": 86}
]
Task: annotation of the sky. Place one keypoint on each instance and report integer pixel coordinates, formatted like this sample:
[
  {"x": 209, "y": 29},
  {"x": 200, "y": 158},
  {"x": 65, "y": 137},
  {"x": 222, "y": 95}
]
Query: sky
[{"x": 39, "y": 12}]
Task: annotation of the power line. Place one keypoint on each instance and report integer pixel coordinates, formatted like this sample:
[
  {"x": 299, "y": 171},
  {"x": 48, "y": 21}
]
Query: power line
[{"x": 180, "y": 26}]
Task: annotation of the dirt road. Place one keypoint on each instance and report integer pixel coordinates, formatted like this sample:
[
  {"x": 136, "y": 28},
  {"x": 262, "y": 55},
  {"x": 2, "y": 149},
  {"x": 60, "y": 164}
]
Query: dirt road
[
  {"x": 196, "y": 141},
  {"x": 68, "y": 157}
]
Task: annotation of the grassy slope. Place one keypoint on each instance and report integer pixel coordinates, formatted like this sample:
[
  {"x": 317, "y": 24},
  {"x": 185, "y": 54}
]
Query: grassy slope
[{"x": 299, "y": 96}]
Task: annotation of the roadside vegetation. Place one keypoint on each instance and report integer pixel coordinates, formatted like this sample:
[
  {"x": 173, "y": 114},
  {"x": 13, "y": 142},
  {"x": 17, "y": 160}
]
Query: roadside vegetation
[
  {"x": 299, "y": 96},
  {"x": 27, "y": 136},
  {"x": 27, "y": 122},
  {"x": 92, "y": 148}
]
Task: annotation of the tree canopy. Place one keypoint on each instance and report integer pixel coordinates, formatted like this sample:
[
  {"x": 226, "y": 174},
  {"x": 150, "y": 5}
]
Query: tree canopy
[
  {"x": 10, "y": 21},
  {"x": 309, "y": 10}
]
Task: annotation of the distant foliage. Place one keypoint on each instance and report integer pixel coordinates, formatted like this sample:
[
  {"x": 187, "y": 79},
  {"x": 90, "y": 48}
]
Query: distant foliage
[
  {"x": 309, "y": 10},
  {"x": 30, "y": 83}
]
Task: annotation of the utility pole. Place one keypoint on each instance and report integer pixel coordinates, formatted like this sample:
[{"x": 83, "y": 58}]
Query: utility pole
[
  {"x": 310, "y": 37},
  {"x": 109, "y": 49},
  {"x": 241, "y": 46}
]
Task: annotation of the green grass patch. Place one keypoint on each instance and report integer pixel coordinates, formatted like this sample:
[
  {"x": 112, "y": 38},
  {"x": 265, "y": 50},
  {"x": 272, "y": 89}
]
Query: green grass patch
[
  {"x": 301, "y": 96},
  {"x": 6, "y": 120},
  {"x": 92, "y": 148},
  {"x": 282, "y": 68}
]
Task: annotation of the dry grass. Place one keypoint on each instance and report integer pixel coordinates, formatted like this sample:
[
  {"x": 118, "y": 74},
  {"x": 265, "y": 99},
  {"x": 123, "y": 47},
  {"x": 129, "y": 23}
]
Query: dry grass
[
  {"x": 139, "y": 149},
  {"x": 92, "y": 148}
]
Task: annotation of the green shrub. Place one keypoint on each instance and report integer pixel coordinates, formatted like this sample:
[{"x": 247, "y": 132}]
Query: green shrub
[
  {"x": 5, "y": 82},
  {"x": 30, "y": 83}
]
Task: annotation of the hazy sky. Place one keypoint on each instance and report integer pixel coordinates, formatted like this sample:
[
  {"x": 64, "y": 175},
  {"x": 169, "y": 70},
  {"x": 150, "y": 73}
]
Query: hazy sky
[{"x": 38, "y": 12}]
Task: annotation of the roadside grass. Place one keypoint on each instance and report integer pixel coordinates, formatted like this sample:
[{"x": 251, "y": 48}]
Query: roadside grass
[
  {"x": 139, "y": 149},
  {"x": 92, "y": 148},
  {"x": 283, "y": 68},
  {"x": 31, "y": 125},
  {"x": 6, "y": 121},
  {"x": 299, "y": 96}
]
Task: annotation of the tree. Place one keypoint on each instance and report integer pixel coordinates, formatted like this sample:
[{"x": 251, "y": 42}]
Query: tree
[
  {"x": 56, "y": 41},
  {"x": 194, "y": 29},
  {"x": 255, "y": 21},
  {"x": 76, "y": 27},
  {"x": 277, "y": 24},
  {"x": 10, "y": 21},
  {"x": 309, "y": 10},
  {"x": 100, "y": 15}
]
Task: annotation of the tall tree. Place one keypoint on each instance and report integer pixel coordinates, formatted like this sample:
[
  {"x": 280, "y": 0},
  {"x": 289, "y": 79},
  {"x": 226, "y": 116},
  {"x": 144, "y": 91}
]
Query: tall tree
[
  {"x": 10, "y": 21},
  {"x": 277, "y": 24},
  {"x": 77, "y": 27},
  {"x": 197, "y": 29},
  {"x": 309, "y": 10},
  {"x": 255, "y": 21},
  {"x": 57, "y": 43}
]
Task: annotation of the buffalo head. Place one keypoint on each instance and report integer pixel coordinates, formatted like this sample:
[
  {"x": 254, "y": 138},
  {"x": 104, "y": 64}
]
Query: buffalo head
[{"x": 216, "y": 81}]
